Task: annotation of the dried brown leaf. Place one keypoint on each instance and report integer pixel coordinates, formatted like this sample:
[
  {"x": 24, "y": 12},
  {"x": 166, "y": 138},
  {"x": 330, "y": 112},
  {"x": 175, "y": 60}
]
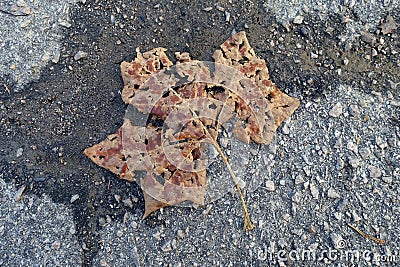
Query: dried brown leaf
[
  {"x": 108, "y": 154},
  {"x": 185, "y": 109},
  {"x": 236, "y": 52}
]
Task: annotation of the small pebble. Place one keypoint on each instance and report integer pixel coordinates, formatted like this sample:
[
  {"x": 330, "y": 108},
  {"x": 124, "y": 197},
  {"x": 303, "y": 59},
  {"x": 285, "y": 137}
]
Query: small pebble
[
  {"x": 365, "y": 153},
  {"x": 25, "y": 23},
  {"x": 306, "y": 184},
  {"x": 102, "y": 221},
  {"x": 314, "y": 191},
  {"x": 224, "y": 142},
  {"x": 387, "y": 179},
  {"x": 296, "y": 197},
  {"x": 72, "y": 230},
  {"x": 18, "y": 194},
  {"x": 304, "y": 31},
  {"x": 332, "y": 193},
  {"x": 64, "y": 23},
  {"x": 74, "y": 198},
  {"x": 367, "y": 37},
  {"x": 329, "y": 30},
  {"x": 356, "y": 217},
  {"x": 227, "y": 16},
  {"x": 336, "y": 110},
  {"x": 342, "y": 204},
  {"x": 354, "y": 111},
  {"x": 104, "y": 263},
  {"x": 220, "y": 8},
  {"x": 56, "y": 245},
  {"x": 338, "y": 143},
  {"x": 352, "y": 147},
  {"x": 56, "y": 57},
  {"x": 338, "y": 215},
  {"x": 339, "y": 164},
  {"x": 128, "y": 202},
  {"x": 307, "y": 170},
  {"x": 313, "y": 55},
  {"x": 381, "y": 142},
  {"x": 181, "y": 234},
  {"x": 286, "y": 217},
  {"x": 166, "y": 247},
  {"x": 26, "y": 10},
  {"x": 79, "y": 55},
  {"x": 374, "y": 171},
  {"x": 299, "y": 180},
  {"x": 19, "y": 152},
  {"x": 270, "y": 185},
  {"x": 298, "y": 19},
  {"x": 39, "y": 179},
  {"x": 126, "y": 217},
  {"x": 326, "y": 226},
  {"x": 354, "y": 161},
  {"x": 285, "y": 129},
  {"x": 21, "y": 3}
]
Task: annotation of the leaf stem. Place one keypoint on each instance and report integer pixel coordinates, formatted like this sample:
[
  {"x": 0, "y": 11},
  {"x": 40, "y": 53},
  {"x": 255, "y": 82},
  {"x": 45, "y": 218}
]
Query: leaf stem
[
  {"x": 248, "y": 225},
  {"x": 376, "y": 240}
]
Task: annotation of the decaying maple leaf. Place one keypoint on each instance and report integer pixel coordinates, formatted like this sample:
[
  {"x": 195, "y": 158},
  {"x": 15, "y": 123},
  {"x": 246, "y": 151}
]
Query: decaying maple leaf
[{"x": 175, "y": 113}]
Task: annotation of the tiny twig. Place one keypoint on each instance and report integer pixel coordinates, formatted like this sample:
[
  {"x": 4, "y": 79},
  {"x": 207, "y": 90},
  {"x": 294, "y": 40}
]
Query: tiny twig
[
  {"x": 7, "y": 89},
  {"x": 377, "y": 240},
  {"x": 248, "y": 225},
  {"x": 12, "y": 14}
]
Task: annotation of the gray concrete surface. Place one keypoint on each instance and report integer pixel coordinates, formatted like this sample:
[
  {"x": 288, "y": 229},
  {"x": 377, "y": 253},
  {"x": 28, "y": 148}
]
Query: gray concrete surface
[
  {"x": 35, "y": 231},
  {"x": 30, "y": 37}
]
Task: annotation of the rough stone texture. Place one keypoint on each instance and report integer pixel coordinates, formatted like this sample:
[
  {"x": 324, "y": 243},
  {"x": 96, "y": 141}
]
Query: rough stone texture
[
  {"x": 35, "y": 231},
  {"x": 28, "y": 43}
]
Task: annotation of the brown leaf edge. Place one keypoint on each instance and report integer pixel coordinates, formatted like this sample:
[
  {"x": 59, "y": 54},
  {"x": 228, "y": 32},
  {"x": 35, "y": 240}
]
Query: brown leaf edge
[{"x": 108, "y": 153}]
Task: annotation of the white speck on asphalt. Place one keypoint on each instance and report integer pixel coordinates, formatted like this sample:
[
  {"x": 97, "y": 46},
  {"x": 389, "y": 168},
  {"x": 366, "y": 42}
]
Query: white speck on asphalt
[
  {"x": 374, "y": 171},
  {"x": 19, "y": 152},
  {"x": 336, "y": 110},
  {"x": 79, "y": 55},
  {"x": 332, "y": 193},
  {"x": 74, "y": 198},
  {"x": 270, "y": 185}
]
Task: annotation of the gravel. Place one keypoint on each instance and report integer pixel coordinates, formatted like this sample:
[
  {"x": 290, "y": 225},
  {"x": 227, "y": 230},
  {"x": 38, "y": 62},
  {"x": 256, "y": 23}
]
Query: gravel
[
  {"x": 30, "y": 35},
  {"x": 118, "y": 244},
  {"x": 35, "y": 231}
]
